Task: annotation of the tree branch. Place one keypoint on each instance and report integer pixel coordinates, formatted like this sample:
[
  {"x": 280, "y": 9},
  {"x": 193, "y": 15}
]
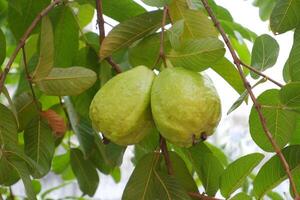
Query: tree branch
[
  {"x": 261, "y": 74},
  {"x": 11, "y": 194},
  {"x": 24, "y": 38},
  {"x": 257, "y": 106},
  {"x": 29, "y": 79},
  {"x": 100, "y": 22},
  {"x": 201, "y": 196},
  {"x": 162, "y": 33},
  {"x": 164, "y": 150}
]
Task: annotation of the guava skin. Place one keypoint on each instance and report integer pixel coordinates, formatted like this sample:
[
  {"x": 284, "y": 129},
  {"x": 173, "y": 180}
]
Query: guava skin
[
  {"x": 121, "y": 108},
  {"x": 185, "y": 105}
]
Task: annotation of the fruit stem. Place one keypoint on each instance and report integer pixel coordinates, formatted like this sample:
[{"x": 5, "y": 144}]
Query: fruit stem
[{"x": 165, "y": 152}]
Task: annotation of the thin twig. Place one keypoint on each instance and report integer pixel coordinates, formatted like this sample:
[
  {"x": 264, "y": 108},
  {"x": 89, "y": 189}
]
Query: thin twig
[
  {"x": 257, "y": 106},
  {"x": 201, "y": 196},
  {"x": 100, "y": 22},
  {"x": 29, "y": 79},
  {"x": 24, "y": 38},
  {"x": 162, "y": 38},
  {"x": 165, "y": 152},
  {"x": 63, "y": 106},
  {"x": 261, "y": 74},
  {"x": 11, "y": 194},
  {"x": 162, "y": 33}
]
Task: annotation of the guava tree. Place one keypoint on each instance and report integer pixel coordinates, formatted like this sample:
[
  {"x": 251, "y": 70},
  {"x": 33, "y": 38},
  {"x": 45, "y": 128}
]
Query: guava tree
[{"x": 73, "y": 100}]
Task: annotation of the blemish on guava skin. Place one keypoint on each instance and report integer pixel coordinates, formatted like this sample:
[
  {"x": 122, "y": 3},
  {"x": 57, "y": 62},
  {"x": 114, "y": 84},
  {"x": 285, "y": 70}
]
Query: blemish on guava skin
[
  {"x": 194, "y": 139},
  {"x": 203, "y": 136}
]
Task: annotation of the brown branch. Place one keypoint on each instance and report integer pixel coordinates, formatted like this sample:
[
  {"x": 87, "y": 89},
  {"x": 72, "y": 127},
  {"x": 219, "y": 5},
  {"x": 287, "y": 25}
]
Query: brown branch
[
  {"x": 100, "y": 22},
  {"x": 257, "y": 106},
  {"x": 260, "y": 74},
  {"x": 201, "y": 196},
  {"x": 165, "y": 152},
  {"x": 11, "y": 194},
  {"x": 24, "y": 38},
  {"x": 161, "y": 54},
  {"x": 29, "y": 79}
]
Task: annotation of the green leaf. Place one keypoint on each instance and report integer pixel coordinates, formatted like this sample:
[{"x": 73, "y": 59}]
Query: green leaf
[
  {"x": 66, "y": 36},
  {"x": 285, "y": 16},
  {"x": 286, "y": 72},
  {"x": 8, "y": 128},
  {"x": 290, "y": 95},
  {"x": 174, "y": 34},
  {"x": 147, "y": 183},
  {"x": 241, "y": 48},
  {"x": 26, "y": 109},
  {"x": 46, "y": 56},
  {"x": 244, "y": 97},
  {"x": 274, "y": 196},
  {"x": 265, "y": 8},
  {"x": 295, "y": 139},
  {"x": 60, "y": 162},
  {"x": 218, "y": 153},
  {"x": 37, "y": 186},
  {"x": 147, "y": 145},
  {"x": 296, "y": 178},
  {"x": 85, "y": 172},
  {"x": 85, "y": 15},
  {"x": 207, "y": 166},
  {"x": 264, "y": 53},
  {"x": 182, "y": 173},
  {"x": 127, "y": 32},
  {"x": 241, "y": 196},
  {"x": 150, "y": 47},
  {"x": 86, "y": 57},
  {"x": 294, "y": 61},
  {"x": 23, "y": 172},
  {"x": 67, "y": 82},
  {"x": 118, "y": 10},
  {"x": 197, "y": 55},
  {"x": 81, "y": 127},
  {"x": 236, "y": 173},
  {"x": 238, "y": 102},
  {"x": 2, "y": 47},
  {"x": 237, "y": 31},
  {"x": 8, "y": 175},
  {"x": 280, "y": 122},
  {"x": 39, "y": 145},
  {"x": 112, "y": 153},
  {"x": 11, "y": 104},
  {"x": 105, "y": 72},
  {"x": 272, "y": 173},
  {"x": 196, "y": 23},
  {"x": 21, "y": 13},
  {"x": 157, "y": 3},
  {"x": 229, "y": 73}
]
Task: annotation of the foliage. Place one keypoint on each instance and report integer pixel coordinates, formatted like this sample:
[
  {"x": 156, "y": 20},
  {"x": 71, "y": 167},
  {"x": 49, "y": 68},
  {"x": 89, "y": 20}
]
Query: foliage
[{"x": 44, "y": 102}]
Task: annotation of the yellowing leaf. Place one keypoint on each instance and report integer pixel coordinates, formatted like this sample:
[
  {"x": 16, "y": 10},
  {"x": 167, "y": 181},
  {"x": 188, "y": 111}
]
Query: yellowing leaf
[
  {"x": 129, "y": 31},
  {"x": 46, "y": 57},
  {"x": 67, "y": 81},
  {"x": 196, "y": 23}
]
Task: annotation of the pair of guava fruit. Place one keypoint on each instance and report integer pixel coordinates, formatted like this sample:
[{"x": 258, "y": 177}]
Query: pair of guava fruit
[{"x": 182, "y": 104}]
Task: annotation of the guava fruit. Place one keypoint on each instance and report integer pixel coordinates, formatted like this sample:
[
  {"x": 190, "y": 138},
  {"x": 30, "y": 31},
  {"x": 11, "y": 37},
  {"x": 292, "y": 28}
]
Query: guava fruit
[
  {"x": 185, "y": 106},
  {"x": 121, "y": 108}
]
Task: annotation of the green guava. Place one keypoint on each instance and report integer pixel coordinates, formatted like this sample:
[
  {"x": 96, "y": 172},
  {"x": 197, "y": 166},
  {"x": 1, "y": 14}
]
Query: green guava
[
  {"x": 121, "y": 108},
  {"x": 185, "y": 106}
]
